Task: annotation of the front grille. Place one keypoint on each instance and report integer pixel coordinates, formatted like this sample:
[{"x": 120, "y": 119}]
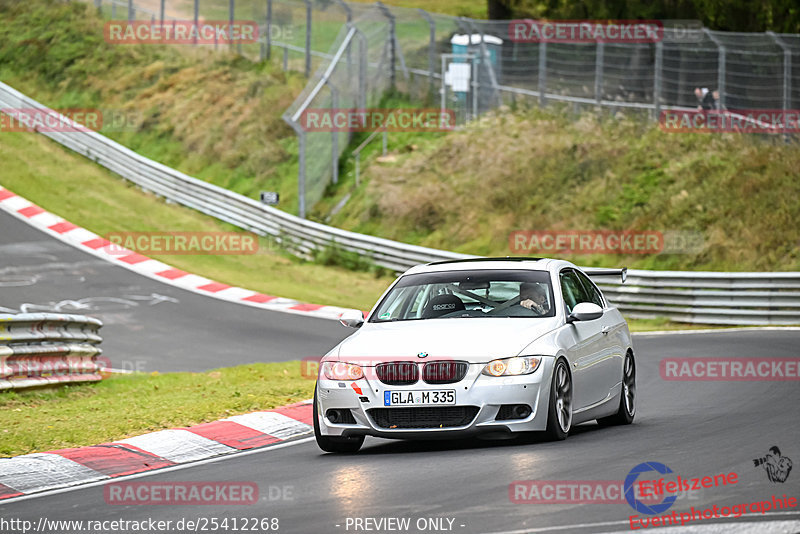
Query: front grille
[
  {"x": 397, "y": 373},
  {"x": 433, "y": 417},
  {"x": 444, "y": 372}
]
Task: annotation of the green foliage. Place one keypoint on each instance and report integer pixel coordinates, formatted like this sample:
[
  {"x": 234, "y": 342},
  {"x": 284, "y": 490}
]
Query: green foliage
[
  {"x": 782, "y": 16},
  {"x": 335, "y": 256}
]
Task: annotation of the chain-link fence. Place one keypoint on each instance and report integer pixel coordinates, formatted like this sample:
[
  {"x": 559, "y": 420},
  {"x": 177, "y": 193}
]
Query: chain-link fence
[{"x": 358, "y": 51}]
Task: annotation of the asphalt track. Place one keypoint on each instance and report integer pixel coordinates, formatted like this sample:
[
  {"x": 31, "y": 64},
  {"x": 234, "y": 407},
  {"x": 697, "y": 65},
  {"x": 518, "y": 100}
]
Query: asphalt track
[
  {"x": 148, "y": 326},
  {"x": 696, "y": 428}
]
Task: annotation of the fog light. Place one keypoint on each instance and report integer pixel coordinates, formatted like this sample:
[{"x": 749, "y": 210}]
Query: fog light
[
  {"x": 513, "y": 411},
  {"x": 341, "y": 416},
  {"x": 522, "y": 411}
]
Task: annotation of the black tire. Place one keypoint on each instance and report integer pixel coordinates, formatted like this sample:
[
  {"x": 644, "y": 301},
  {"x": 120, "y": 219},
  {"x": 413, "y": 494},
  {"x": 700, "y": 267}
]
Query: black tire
[
  {"x": 627, "y": 398},
  {"x": 331, "y": 444},
  {"x": 559, "y": 410}
]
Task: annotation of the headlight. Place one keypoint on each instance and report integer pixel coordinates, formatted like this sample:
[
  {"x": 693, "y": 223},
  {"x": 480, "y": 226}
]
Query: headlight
[
  {"x": 341, "y": 371},
  {"x": 519, "y": 365}
]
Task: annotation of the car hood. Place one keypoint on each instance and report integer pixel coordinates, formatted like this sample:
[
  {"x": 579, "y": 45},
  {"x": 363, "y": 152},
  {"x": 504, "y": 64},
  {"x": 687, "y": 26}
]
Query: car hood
[{"x": 475, "y": 339}]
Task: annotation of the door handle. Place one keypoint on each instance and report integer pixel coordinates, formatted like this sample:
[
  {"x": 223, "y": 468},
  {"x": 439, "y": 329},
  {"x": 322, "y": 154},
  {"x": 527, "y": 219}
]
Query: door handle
[{"x": 605, "y": 330}]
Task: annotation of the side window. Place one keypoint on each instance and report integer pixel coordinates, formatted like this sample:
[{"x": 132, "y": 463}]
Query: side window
[
  {"x": 591, "y": 291},
  {"x": 572, "y": 289}
]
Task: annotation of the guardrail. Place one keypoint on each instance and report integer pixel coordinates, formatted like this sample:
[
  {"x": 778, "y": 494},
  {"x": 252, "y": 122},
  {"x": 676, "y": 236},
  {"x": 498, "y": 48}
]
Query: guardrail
[
  {"x": 38, "y": 349},
  {"x": 708, "y": 297},
  {"x": 698, "y": 297}
]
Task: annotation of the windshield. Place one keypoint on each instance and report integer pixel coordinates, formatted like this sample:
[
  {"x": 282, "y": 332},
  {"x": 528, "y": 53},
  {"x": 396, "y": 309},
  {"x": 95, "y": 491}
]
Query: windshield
[{"x": 463, "y": 294}]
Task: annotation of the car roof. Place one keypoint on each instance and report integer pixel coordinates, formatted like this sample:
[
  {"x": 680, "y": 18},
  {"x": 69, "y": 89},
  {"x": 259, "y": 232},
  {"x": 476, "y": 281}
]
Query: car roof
[{"x": 503, "y": 263}]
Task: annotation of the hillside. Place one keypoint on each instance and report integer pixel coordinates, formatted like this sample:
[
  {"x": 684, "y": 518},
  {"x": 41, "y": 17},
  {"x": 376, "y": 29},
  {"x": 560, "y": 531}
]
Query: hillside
[
  {"x": 210, "y": 114},
  {"x": 534, "y": 170}
]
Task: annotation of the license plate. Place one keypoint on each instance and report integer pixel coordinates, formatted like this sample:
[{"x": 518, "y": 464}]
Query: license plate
[{"x": 419, "y": 397}]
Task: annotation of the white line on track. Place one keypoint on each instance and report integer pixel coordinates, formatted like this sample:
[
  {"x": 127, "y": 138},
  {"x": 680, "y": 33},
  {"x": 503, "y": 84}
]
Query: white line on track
[{"x": 156, "y": 471}]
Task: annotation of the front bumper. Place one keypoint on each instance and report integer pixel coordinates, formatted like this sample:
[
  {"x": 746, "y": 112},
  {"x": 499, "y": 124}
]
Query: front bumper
[{"x": 486, "y": 393}]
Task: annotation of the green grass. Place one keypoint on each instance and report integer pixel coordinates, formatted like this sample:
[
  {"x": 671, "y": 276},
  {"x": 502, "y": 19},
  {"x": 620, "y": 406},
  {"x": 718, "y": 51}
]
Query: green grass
[
  {"x": 128, "y": 405},
  {"x": 89, "y": 196}
]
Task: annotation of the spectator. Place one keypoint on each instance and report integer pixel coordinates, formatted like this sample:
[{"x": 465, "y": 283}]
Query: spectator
[{"x": 705, "y": 99}]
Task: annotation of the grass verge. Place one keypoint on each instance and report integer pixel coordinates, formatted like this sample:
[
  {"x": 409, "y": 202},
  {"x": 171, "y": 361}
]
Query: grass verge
[{"x": 128, "y": 405}]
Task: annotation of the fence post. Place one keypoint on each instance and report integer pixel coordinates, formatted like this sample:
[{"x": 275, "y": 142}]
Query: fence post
[
  {"x": 720, "y": 67},
  {"x": 285, "y": 58},
  {"x": 131, "y": 11},
  {"x": 269, "y": 29},
  {"x": 301, "y": 166},
  {"x": 542, "y": 74},
  {"x": 231, "y": 9},
  {"x": 787, "y": 71},
  {"x": 98, "y": 4},
  {"x": 598, "y": 72},
  {"x": 334, "y": 134},
  {"x": 431, "y": 47},
  {"x": 197, "y": 19},
  {"x": 308, "y": 38},
  {"x": 161, "y": 12},
  {"x": 657, "y": 71},
  {"x": 362, "y": 68},
  {"x": 444, "y": 86},
  {"x": 392, "y": 42}
]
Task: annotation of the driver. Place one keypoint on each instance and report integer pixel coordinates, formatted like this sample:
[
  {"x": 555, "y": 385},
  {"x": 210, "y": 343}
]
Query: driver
[{"x": 534, "y": 297}]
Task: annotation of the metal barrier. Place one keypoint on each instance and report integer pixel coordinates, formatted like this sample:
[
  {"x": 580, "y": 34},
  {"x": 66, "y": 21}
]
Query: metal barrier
[
  {"x": 699, "y": 297},
  {"x": 708, "y": 297},
  {"x": 38, "y": 349}
]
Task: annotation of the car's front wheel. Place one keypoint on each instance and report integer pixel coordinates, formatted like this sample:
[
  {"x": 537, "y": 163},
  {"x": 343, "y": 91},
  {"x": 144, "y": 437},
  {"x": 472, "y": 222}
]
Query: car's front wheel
[
  {"x": 627, "y": 401},
  {"x": 334, "y": 444},
  {"x": 559, "y": 415}
]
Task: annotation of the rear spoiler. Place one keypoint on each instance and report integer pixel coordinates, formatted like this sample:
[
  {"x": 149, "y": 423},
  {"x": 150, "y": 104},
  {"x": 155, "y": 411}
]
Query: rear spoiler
[{"x": 622, "y": 273}]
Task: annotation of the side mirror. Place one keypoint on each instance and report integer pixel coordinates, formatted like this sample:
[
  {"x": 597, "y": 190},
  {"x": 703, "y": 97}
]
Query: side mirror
[
  {"x": 585, "y": 311},
  {"x": 352, "y": 319}
]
